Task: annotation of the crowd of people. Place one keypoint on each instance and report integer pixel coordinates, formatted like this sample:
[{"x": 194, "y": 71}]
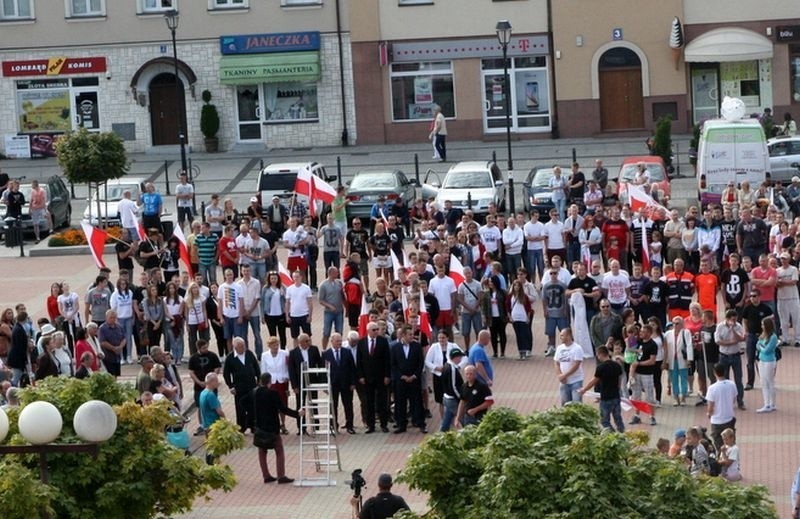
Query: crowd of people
[{"x": 639, "y": 295}]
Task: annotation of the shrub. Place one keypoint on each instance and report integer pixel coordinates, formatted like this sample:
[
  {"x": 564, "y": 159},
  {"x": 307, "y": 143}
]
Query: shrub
[{"x": 72, "y": 237}]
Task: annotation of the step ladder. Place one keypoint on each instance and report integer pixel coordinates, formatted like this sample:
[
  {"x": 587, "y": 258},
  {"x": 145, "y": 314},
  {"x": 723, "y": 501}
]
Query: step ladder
[{"x": 319, "y": 448}]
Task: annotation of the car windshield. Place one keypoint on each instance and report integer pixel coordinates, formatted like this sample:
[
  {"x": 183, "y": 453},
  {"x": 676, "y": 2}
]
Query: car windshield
[
  {"x": 373, "y": 181},
  {"x": 467, "y": 180},
  {"x": 278, "y": 182},
  {"x": 115, "y": 192},
  {"x": 542, "y": 178},
  {"x": 25, "y": 189},
  {"x": 655, "y": 169}
]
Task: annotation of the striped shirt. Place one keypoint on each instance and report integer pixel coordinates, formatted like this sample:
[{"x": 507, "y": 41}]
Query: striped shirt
[{"x": 206, "y": 248}]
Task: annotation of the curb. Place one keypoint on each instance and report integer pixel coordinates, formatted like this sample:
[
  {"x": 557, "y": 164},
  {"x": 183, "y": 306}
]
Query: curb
[{"x": 75, "y": 250}]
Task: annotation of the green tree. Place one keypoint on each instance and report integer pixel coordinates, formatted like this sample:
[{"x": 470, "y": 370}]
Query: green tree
[
  {"x": 662, "y": 141},
  {"x": 92, "y": 158},
  {"x": 136, "y": 473},
  {"x": 558, "y": 464}
]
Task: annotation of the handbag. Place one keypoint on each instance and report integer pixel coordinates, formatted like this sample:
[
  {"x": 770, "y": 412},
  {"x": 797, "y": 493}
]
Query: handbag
[
  {"x": 201, "y": 325},
  {"x": 177, "y": 323},
  {"x": 178, "y": 437},
  {"x": 264, "y": 439}
]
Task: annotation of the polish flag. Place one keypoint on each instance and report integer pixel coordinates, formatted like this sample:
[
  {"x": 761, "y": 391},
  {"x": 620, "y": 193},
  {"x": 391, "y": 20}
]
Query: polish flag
[
  {"x": 302, "y": 186},
  {"x": 363, "y": 319},
  {"x": 285, "y": 275},
  {"x": 323, "y": 191},
  {"x": 456, "y": 270},
  {"x": 638, "y": 405},
  {"x": 383, "y": 217},
  {"x": 183, "y": 249},
  {"x": 424, "y": 318},
  {"x": 142, "y": 232},
  {"x": 645, "y": 204},
  {"x": 397, "y": 266},
  {"x": 96, "y": 239},
  {"x": 645, "y": 250}
]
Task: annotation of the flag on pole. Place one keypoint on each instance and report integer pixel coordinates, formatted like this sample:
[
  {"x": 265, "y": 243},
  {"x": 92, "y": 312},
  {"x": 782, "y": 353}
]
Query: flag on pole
[
  {"x": 638, "y": 405},
  {"x": 183, "y": 249},
  {"x": 142, "y": 232},
  {"x": 96, "y": 239},
  {"x": 645, "y": 250},
  {"x": 396, "y": 266},
  {"x": 645, "y": 204},
  {"x": 456, "y": 270},
  {"x": 323, "y": 191},
  {"x": 383, "y": 217},
  {"x": 363, "y": 319},
  {"x": 586, "y": 258},
  {"x": 424, "y": 318},
  {"x": 285, "y": 275},
  {"x": 302, "y": 185}
]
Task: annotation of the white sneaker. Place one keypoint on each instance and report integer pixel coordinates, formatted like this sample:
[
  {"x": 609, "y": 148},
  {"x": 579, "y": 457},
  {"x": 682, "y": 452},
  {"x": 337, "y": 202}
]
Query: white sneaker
[
  {"x": 764, "y": 409},
  {"x": 123, "y": 362}
]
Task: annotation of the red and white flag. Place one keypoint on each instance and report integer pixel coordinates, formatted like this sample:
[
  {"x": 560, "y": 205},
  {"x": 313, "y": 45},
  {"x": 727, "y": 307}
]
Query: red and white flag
[
  {"x": 142, "y": 232},
  {"x": 183, "y": 249},
  {"x": 424, "y": 318},
  {"x": 323, "y": 191},
  {"x": 645, "y": 204},
  {"x": 285, "y": 275},
  {"x": 397, "y": 266},
  {"x": 96, "y": 239},
  {"x": 639, "y": 405},
  {"x": 363, "y": 319},
  {"x": 645, "y": 250},
  {"x": 302, "y": 185},
  {"x": 456, "y": 270},
  {"x": 383, "y": 217}
]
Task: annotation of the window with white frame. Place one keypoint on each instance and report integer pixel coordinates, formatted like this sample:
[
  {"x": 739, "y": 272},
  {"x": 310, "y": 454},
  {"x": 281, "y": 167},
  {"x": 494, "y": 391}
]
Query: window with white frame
[
  {"x": 157, "y": 6},
  {"x": 417, "y": 87},
  {"x": 87, "y": 7},
  {"x": 16, "y": 9},
  {"x": 227, "y": 4}
]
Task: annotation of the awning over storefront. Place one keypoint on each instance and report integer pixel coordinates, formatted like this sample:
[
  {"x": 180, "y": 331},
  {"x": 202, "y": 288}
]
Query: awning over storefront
[
  {"x": 269, "y": 68},
  {"x": 728, "y": 44}
]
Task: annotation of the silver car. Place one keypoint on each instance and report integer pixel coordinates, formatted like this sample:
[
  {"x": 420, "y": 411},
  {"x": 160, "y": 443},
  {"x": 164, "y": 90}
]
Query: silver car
[
  {"x": 784, "y": 158},
  {"x": 473, "y": 184},
  {"x": 370, "y": 184}
]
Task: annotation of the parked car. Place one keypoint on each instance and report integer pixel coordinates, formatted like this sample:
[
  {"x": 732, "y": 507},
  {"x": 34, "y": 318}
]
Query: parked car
[
  {"x": 469, "y": 185},
  {"x": 58, "y": 203},
  {"x": 659, "y": 177},
  {"x": 784, "y": 158},
  {"x": 279, "y": 180},
  {"x": 109, "y": 197},
  {"x": 369, "y": 184},
  {"x": 536, "y": 190}
]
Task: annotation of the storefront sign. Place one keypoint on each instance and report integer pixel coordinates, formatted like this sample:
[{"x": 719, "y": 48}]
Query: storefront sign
[
  {"x": 53, "y": 66},
  {"x": 473, "y": 48},
  {"x": 423, "y": 89},
  {"x": 787, "y": 33},
  {"x": 273, "y": 68},
  {"x": 18, "y": 146},
  {"x": 264, "y": 43}
]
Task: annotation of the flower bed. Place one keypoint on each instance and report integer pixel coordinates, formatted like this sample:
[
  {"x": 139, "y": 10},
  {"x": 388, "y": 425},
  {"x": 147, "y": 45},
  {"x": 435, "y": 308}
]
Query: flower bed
[{"x": 72, "y": 237}]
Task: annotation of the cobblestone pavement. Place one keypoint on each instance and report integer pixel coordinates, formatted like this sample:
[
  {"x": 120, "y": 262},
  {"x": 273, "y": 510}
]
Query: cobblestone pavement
[{"x": 769, "y": 443}]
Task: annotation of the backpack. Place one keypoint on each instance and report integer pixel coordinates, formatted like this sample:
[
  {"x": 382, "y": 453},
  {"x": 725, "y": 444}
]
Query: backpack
[{"x": 778, "y": 353}]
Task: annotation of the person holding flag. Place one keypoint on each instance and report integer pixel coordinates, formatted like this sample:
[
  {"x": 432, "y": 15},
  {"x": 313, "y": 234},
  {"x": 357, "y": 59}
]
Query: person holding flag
[{"x": 641, "y": 236}]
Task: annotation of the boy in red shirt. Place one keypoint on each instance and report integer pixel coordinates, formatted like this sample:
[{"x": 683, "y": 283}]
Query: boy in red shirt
[{"x": 707, "y": 285}]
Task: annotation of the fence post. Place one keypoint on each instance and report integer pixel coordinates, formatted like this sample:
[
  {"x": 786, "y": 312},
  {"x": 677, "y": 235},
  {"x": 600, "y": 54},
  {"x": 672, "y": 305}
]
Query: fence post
[
  {"x": 339, "y": 169},
  {"x": 166, "y": 175},
  {"x": 203, "y": 211},
  {"x": 416, "y": 168},
  {"x": 494, "y": 157},
  {"x": 574, "y": 155}
]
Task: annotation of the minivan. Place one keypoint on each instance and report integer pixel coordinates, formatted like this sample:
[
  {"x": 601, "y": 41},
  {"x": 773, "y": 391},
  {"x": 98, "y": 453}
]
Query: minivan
[
  {"x": 279, "y": 180},
  {"x": 730, "y": 150}
]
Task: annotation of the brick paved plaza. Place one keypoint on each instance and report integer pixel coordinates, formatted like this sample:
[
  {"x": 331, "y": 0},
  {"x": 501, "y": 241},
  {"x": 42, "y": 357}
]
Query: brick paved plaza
[{"x": 769, "y": 442}]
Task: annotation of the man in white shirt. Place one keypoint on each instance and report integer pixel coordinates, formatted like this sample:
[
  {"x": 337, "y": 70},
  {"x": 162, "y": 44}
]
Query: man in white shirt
[
  {"x": 298, "y": 306},
  {"x": 616, "y": 287},
  {"x": 251, "y": 297},
  {"x": 295, "y": 240},
  {"x": 721, "y": 397},
  {"x": 184, "y": 195},
  {"x": 572, "y": 226},
  {"x": 534, "y": 237},
  {"x": 443, "y": 289},
  {"x": 490, "y": 234},
  {"x": 554, "y": 236},
  {"x": 129, "y": 215},
  {"x": 642, "y": 175},
  {"x": 241, "y": 245},
  {"x": 231, "y": 307},
  {"x": 513, "y": 240},
  {"x": 788, "y": 299}
]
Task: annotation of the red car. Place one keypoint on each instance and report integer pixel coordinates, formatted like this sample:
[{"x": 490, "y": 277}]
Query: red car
[{"x": 659, "y": 177}]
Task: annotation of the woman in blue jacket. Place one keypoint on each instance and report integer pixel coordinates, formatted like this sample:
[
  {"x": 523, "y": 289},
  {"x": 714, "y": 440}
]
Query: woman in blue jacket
[{"x": 767, "y": 363}]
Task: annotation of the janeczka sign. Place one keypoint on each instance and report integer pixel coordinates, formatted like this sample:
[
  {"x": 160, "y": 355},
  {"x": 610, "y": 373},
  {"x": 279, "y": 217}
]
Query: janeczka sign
[
  {"x": 266, "y": 43},
  {"x": 53, "y": 66}
]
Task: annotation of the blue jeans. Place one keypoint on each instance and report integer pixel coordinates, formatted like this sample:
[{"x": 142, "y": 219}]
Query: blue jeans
[
  {"x": 573, "y": 253},
  {"x": 569, "y": 392},
  {"x": 513, "y": 262},
  {"x": 254, "y": 321},
  {"x": 175, "y": 342},
  {"x": 127, "y": 326},
  {"x": 609, "y": 408},
  {"x": 679, "y": 378},
  {"x": 258, "y": 270},
  {"x": 561, "y": 207},
  {"x": 450, "y": 411},
  {"x": 16, "y": 375},
  {"x": 535, "y": 264},
  {"x": 470, "y": 321},
  {"x": 333, "y": 320},
  {"x": 208, "y": 272},
  {"x": 735, "y": 362}
]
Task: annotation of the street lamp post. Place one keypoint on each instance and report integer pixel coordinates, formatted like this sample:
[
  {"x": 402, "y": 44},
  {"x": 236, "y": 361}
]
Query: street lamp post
[
  {"x": 503, "y": 30},
  {"x": 172, "y": 18}
]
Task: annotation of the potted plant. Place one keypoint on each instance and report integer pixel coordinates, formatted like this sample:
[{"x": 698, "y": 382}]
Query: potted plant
[{"x": 209, "y": 123}]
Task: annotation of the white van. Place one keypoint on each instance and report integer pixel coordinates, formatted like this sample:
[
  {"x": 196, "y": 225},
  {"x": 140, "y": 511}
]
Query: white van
[
  {"x": 279, "y": 179},
  {"x": 730, "y": 150}
]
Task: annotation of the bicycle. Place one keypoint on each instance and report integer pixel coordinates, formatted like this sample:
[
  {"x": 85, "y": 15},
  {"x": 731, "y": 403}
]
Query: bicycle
[{"x": 195, "y": 172}]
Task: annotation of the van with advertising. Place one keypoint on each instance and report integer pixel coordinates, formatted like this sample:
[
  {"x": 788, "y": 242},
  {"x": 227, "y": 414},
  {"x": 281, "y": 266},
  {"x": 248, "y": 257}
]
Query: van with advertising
[{"x": 731, "y": 149}]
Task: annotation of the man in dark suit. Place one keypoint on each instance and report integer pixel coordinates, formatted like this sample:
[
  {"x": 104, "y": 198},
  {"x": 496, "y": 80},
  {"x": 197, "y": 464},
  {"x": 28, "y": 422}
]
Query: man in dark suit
[
  {"x": 307, "y": 354},
  {"x": 373, "y": 375},
  {"x": 407, "y": 363},
  {"x": 343, "y": 380},
  {"x": 241, "y": 372}
]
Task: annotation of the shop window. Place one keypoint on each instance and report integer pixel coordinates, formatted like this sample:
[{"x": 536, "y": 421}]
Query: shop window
[
  {"x": 157, "y": 6},
  {"x": 667, "y": 108},
  {"x": 529, "y": 94},
  {"x": 740, "y": 79},
  {"x": 795, "y": 72},
  {"x": 290, "y": 102},
  {"x": 417, "y": 87},
  {"x": 228, "y": 4},
  {"x": 57, "y": 105},
  {"x": 86, "y": 8},
  {"x": 17, "y": 9}
]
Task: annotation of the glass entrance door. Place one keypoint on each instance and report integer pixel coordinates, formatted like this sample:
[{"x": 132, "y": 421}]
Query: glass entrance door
[
  {"x": 705, "y": 93},
  {"x": 494, "y": 119},
  {"x": 85, "y": 110},
  {"x": 248, "y": 104}
]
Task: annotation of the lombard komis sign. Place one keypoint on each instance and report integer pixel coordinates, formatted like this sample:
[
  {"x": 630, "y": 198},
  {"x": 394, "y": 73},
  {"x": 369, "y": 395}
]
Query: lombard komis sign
[{"x": 266, "y": 43}]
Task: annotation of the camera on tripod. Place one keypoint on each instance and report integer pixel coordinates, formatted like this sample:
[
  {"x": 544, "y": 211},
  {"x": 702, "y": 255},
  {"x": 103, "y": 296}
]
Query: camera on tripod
[{"x": 356, "y": 482}]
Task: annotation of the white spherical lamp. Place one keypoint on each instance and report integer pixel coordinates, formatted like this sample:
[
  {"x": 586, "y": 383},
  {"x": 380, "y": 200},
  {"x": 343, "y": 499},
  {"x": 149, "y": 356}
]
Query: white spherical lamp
[
  {"x": 40, "y": 422},
  {"x": 3, "y": 425},
  {"x": 95, "y": 421}
]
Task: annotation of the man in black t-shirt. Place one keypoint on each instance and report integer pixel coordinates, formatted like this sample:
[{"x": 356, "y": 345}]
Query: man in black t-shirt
[
  {"x": 476, "y": 399},
  {"x": 656, "y": 298},
  {"x": 396, "y": 235},
  {"x": 201, "y": 364},
  {"x": 125, "y": 250},
  {"x": 357, "y": 239},
  {"x": 752, "y": 315},
  {"x": 606, "y": 379},
  {"x": 734, "y": 285},
  {"x": 384, "y": 504},
  {"x": 272, "y": 238},
  {"x": 590, "y": 290},
  {"x": 14, "y": 200},
  {"x": 577, "y": 185},
  {"x": 642, "y": 371}
]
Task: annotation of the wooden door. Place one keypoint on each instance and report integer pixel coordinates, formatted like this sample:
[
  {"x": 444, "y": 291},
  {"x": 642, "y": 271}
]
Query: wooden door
[
  {"x": 165, "y": 103},
  {"x": 621, "y": 100}
]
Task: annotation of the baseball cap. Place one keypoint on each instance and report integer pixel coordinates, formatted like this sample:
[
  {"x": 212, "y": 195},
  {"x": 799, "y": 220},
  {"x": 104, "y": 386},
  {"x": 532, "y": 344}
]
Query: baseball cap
[
  {"x": 786, "y": 255},
  {"x": 680, "y": 433},
  {"x": 384, "y": 480},
  {"x": 456, "y": 353},
  {"x": 276, "y": 197},
  {"x": 253, "y": 199}
]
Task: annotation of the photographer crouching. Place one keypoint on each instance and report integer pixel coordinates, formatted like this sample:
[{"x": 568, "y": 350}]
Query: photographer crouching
[{"x": 382, "y": 506}]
